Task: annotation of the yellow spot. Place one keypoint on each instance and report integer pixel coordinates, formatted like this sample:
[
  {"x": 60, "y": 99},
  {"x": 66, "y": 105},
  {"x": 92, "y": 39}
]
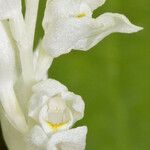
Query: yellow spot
[
  {"x": 55, "y": 127},
  {"x": 81, "y": 15}
]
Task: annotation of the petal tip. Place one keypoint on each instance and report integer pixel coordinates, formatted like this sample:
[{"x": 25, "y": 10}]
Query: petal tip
[{"x": 127, "y": 26}]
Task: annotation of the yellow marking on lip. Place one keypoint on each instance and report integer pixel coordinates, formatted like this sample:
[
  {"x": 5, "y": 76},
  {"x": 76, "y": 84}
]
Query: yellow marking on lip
[
  {"x": 81, "y": 15},
  {"x": 55, "y": 127}
]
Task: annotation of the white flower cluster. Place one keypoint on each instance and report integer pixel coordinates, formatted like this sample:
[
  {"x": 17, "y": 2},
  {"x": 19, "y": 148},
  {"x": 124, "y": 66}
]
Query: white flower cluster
[{"x": 38, "y": 113}]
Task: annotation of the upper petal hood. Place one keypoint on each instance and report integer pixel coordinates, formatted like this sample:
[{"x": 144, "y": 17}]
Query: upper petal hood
[
  {"x": 49, "y": 87},
  {"x": 42, "y": 91},
  {"x": 62, "y": 9},
  {"x": 74, "y": 139},
  {"x": 62, "y": 36},
  {"x": 63, "y": 25},
  {"x": 9, "y": 8}
]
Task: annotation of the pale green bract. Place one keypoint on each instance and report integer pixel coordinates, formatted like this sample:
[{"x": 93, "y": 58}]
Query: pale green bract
[{"x": 38, "y": 113}]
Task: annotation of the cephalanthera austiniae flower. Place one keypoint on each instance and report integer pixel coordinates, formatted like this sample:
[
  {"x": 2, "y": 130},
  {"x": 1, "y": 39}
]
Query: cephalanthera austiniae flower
[
  {"x": 54, "y": 107},
  {"x": 72, "y": 20},
  {"x": 38, "y": 113}
]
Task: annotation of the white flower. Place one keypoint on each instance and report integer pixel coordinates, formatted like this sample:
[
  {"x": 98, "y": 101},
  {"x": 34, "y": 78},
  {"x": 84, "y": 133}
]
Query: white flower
[
  {"x": 54, "y": 107},
  {"x": 73, "y": 139},
  {"x": 68, "y": 24}
]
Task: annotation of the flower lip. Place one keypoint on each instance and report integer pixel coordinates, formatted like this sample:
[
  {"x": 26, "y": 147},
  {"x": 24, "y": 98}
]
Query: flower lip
[
  {"x": 56, "y": 127},
  {"x": 56, "y": 116}
]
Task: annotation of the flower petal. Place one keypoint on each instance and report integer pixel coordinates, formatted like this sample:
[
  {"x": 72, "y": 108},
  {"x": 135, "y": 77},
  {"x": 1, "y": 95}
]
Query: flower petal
[
  {"x": 62, "y": 9},
  {"x": 42, "y": 92},
  {"x": 36, "y": 139},
  {"x": 9, "y": 8},
  {"x": 13, "y": 138},
  {"x": 64, "y": 22},
  {"x": 62, "y": 35},
  {"x": 104, "y": 25},
  {"x": 7, "y": 78},
  {"x": 83, "y": 33},
  {"x": 49, "y": 87},
  {"x": 12, "y": 109},
  {"x": 35, "y": 104},
  {"x": 75, "y": 104},
  {"x": 74, "y": 139},
  {"x": 7, "y": 56},
  {"x": 94, "y": 4},
  {"x": 42, "y": 62}
]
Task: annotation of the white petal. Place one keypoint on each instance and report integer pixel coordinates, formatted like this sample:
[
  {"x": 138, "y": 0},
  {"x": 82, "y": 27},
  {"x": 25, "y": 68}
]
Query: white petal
[
  {"x": 13, "y": 138},
  {"x": 35, "y": 104},
  {"x": 64, "y": 23},
  {"x": 62, "y": 36},
  {"x": 9, "y": 8},
  {"x": 7, "y": 79},
  {"x": 83, "y": 33},
  {"x": 36, "y": 139},
  {"x": 7, "y": 56},
  {"x": 49, "y": 87},
  {"x": 12, "y": 109},
  {"x": 42, "y": 62},
  {"x": 62, "y": 9},
  {"x": 74, "y": 139},
  {"x": 94, "y": 4},
  {"x": 104, "y": 25},
  {"x": 42, "y": 92},
  {"x": 118, "y": 23},
  {"x": 75, "y": 104}
]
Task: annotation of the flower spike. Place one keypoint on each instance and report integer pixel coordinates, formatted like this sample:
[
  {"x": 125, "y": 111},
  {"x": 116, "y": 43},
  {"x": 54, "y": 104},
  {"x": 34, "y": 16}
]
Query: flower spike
[{"x": 37, "y": 112}]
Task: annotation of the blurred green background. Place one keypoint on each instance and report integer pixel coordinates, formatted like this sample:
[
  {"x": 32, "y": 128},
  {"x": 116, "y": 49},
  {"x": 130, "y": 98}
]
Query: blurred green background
[{"x": 114, "y": 80}]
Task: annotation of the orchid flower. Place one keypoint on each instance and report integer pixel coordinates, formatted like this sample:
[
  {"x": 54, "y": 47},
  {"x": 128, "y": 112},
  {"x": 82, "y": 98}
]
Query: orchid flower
[
  {"x": 72, "y": 20},
  {"x": 56, "y": 110},
  {"x": 38, "y": 113}
]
